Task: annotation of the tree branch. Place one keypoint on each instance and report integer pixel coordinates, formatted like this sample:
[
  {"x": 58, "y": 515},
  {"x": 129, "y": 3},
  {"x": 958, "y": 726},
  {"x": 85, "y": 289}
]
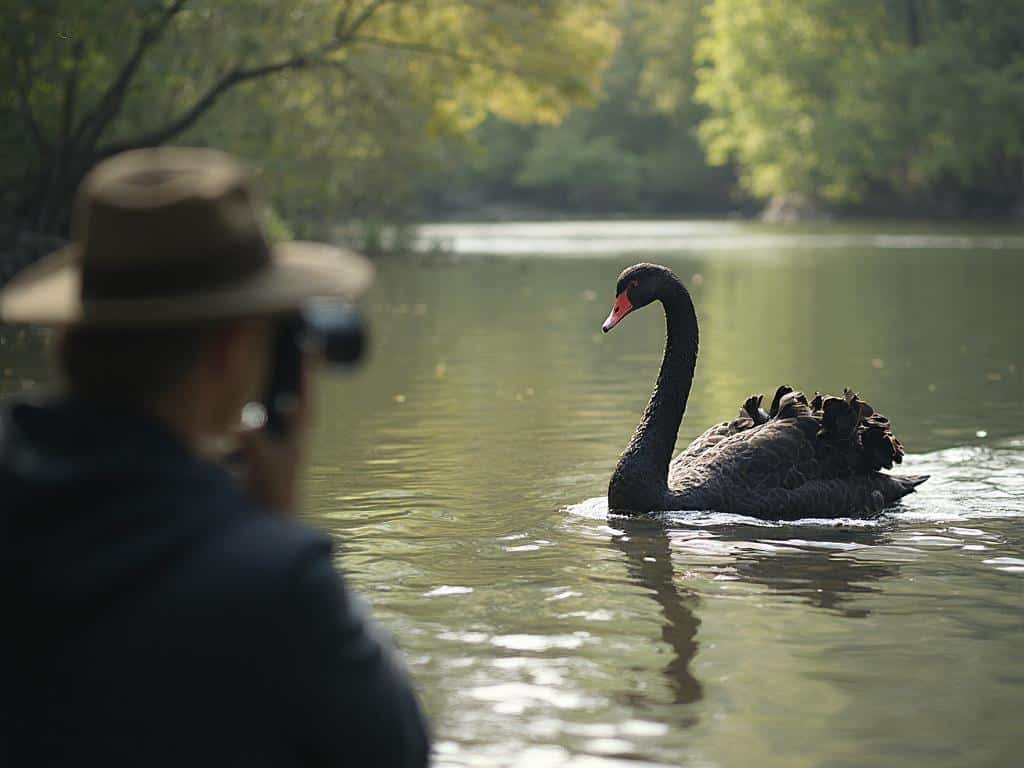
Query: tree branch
[
  {"x": 364, "y": 16},
  {"x": 111, "y": 101},
  {"x": 446, "y": 53},
  {"x": 29, "y": 117},
  {"x": 22, "y": 76},
  {"x": 913, "y": 24},
  {"x": 188, "y": 118},
  {"x": 342, "y": 18},
  {"x": 314, "y": 57},
  {"x": 109, "y": 105},
  {"x": 71, "y": 94},
  {"x": 21, "y": 66}
]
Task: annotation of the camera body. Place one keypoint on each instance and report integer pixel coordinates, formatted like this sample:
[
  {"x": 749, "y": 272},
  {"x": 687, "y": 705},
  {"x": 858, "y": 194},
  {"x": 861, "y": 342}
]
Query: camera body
[{"x": 335, "y": 329}]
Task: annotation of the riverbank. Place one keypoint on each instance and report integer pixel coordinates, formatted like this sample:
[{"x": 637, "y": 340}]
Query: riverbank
[
  {"x": 781, "y": 209},
  {"x": 582, "y": 238},
  {"x": 537, "y": 233}
]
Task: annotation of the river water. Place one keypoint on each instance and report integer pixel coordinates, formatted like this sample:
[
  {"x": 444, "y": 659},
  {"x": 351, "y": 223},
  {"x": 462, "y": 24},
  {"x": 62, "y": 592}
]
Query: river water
[{"x": 462, "y": 470}]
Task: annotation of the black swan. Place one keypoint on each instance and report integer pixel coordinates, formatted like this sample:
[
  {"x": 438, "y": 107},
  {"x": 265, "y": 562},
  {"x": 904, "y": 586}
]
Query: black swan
[{"x": 800, "y": 459}]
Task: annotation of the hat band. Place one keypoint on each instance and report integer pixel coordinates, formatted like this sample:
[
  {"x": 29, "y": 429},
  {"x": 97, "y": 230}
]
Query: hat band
[{"x": 171, "y": 277}]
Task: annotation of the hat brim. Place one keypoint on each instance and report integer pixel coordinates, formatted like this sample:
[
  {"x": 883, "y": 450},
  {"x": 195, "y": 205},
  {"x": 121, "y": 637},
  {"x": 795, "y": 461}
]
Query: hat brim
[{"x": 49, "y": 292}]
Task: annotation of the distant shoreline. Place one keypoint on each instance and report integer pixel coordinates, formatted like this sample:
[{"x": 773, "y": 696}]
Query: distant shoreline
[
  {"x": 499, "y": 214},
  {"x": 613, "y": 238},
  {"x": 976, "y": 231}
]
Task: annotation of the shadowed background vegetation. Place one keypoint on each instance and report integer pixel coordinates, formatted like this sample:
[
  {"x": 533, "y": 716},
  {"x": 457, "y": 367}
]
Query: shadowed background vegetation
[
  {"x": 340, "y": 103},
  {"x": 889, "y": 106},
  {"x": 370, "y": 111}
]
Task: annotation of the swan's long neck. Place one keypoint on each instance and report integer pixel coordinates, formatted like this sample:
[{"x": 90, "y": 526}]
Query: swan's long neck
[
  {"x": 655, "y": 436},
  {"x": 642, "y": 471}
]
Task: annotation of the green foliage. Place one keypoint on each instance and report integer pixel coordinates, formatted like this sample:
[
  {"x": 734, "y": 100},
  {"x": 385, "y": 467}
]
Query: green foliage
[
  {"x": 583, "y": 170},
  {"x": 836, "y": 100},
  {"x": 623, "y": 154},
  {"x": 277, "y": 229},
  {"x": 338, "y": 100},
  {"x": 668, "y": 33},
  {"x": 359, "y": 109}
]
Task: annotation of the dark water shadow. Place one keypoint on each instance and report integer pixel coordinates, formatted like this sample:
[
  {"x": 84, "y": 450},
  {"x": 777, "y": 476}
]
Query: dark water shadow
[
  {"x": 645, "y": 543},
  {"x": 809, "y": 562},
  {"x": 803, "y": 565}
]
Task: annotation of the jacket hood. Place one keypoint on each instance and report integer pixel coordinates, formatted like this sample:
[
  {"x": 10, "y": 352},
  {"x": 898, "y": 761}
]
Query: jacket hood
[{"x": 94, "y": 501}]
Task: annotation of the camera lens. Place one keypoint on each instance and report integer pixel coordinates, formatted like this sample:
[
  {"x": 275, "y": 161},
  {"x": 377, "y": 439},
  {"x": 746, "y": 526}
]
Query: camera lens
[{"x": 338, "y": 329}]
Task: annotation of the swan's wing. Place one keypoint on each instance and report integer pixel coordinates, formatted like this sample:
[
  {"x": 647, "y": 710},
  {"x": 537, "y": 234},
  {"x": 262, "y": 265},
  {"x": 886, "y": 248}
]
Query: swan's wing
[
  {"x": 824, "y": 498},
  {"x": 715, "y": 435},
  {"x": 751, "y": 415},
  {"x": 830, "y": 448},
  {"x": 776, "y": 454}
]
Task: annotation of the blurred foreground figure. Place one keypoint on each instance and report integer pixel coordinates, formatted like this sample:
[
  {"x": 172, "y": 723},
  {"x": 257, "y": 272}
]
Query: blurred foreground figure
[{"x": 157, "y": 611}]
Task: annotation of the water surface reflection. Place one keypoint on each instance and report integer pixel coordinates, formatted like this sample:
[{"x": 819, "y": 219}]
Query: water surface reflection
[
  {"x": 645, "y": 543},
  {"x": 453, "y": 472}
]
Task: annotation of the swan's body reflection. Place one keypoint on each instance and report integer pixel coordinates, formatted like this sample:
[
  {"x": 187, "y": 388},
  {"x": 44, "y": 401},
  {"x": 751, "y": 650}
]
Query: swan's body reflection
[
  {"x": 813, "y": 573},
  {"x": 796, "y": 568}
]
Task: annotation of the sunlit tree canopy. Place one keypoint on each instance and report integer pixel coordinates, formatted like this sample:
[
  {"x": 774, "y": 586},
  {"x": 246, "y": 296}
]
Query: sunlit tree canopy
[
  {"x": 833, "y": 100},
  {"x": 385, "y": 109},
  {"x": 317, "y": 91}
]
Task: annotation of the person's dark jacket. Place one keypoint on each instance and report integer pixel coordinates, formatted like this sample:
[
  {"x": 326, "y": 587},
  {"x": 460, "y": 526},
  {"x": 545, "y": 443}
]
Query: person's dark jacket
[{"x": 152, "y": 615}]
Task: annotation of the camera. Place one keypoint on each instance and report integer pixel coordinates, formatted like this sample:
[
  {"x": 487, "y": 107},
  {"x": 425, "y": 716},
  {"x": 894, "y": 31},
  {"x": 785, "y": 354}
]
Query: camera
[{"x": 335, "y": 329}]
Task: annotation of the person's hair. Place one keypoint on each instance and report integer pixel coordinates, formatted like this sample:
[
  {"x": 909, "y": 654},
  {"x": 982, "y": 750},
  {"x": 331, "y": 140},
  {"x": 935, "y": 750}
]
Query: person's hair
[{"x": 131, "y": 367}]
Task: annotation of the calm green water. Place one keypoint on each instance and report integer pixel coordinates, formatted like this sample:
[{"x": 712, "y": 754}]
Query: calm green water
[{"x": 462, "y": 470}]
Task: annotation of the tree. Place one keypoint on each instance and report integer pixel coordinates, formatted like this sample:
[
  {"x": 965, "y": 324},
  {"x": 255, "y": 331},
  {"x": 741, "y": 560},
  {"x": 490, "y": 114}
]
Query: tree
[
  {"x": 313, "y": 88},
  {"x": 635, "y": 150},
  {"x": 829, "y": 100}
]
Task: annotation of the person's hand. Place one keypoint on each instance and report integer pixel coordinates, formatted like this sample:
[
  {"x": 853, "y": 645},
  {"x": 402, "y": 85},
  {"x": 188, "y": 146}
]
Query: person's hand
[{"x": 273, "y": 463}]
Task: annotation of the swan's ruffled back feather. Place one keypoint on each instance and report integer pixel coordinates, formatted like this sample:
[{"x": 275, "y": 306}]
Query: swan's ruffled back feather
[{"x": 796, "y": 451}]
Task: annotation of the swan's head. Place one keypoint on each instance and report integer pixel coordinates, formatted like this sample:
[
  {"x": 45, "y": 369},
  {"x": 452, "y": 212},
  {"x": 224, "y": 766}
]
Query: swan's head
[{"x": 637, "y": 287}]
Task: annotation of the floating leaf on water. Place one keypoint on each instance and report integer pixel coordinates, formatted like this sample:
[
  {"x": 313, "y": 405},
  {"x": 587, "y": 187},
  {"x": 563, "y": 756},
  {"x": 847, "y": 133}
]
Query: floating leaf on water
[
  {"x": 981, "y": 433},
  {"x": 994, "y": 376},
  {"x": 877, "y": 363},
  {"x": 399, "y": 398}
]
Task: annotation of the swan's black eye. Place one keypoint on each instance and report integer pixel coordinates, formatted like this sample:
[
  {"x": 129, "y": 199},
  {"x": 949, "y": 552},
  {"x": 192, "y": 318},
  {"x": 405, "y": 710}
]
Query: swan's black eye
[{"x": 634, "y": 284}]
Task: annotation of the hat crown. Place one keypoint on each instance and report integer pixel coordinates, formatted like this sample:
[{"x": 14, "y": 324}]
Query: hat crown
[
  {"x": 164, "y": 237},
  {"x": 154, "y": 223}
]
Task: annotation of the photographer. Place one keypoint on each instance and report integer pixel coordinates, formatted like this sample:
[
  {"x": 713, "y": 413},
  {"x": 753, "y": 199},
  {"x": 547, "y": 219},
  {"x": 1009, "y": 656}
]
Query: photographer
[{"x": 159, "y": 611}]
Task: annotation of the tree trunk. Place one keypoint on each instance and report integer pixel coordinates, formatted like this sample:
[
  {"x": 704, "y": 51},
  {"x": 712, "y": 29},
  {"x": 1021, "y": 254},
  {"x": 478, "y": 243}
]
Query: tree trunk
[{"x": 913, "y": 24}]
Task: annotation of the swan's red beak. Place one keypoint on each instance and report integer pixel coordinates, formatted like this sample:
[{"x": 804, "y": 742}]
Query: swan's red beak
[{"x": 622, "y": 307}]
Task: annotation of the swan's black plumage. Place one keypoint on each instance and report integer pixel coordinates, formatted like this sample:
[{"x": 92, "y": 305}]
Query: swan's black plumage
[{"x": 818, "y": 458}]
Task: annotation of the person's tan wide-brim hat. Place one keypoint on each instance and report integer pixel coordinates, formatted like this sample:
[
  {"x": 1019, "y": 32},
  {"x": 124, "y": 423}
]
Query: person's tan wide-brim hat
[{"x": 167, "y": 236}]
